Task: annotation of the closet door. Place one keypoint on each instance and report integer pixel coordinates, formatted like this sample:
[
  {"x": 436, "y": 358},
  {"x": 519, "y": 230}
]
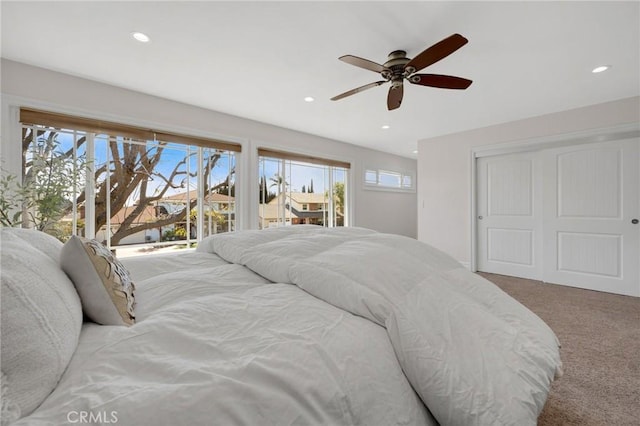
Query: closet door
[
  {"x": 592, "y": 206},
  {"x": 509, "y": 215}
]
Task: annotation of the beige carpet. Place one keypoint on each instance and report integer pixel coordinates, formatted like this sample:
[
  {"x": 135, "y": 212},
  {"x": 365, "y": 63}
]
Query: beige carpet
[{"x": 600, "y": 337}]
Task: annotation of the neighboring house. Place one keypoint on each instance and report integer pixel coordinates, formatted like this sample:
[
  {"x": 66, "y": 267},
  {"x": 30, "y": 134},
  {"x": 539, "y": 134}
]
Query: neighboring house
[
  {"x": 223, "y": 205},
  {"x": 219, "y": 210},
  {"x": 298, "y": 208},
  {"x": 217, "y": 202},
  {"x": 149, "y": 214}
]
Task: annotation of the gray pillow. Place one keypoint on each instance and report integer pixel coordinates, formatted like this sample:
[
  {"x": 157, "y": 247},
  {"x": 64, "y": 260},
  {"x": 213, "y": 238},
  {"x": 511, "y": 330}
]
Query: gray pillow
[
  {"x": 103, "y": 283},
  {"x": 41, "y": 319}
]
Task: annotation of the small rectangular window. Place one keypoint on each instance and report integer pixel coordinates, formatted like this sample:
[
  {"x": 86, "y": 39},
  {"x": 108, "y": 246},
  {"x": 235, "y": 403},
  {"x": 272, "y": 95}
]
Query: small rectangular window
[
  {"x": 388, "y": 180},
  {"x": 371, "y": 177}
]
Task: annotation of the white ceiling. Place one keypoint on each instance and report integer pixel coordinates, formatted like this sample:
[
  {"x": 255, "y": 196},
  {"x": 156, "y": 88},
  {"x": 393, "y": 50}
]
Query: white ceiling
[{"x": 260, "y": 59}]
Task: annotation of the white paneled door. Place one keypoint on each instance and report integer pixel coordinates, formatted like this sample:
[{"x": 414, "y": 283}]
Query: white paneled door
[
  {"x": 564, "y": 215},
  {"x": 591, "y": 201},
  {"x": 509, "y": 215}
]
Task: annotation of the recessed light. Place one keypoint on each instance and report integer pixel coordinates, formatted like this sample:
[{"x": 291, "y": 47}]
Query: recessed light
[
  {"x": 385, "y": 127},
  {"x": 141, "y": 37},
  {"x": 415, "y": 151},
  {"x": 309, "y": 99},
  {"x": 601, "y": 68}
]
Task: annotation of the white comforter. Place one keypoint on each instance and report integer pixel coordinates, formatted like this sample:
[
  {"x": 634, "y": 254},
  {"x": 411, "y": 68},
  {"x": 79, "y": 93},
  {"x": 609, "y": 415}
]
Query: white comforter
[
  {"x": 214, "y": 343},
  {"x": 474, "y": 355}
]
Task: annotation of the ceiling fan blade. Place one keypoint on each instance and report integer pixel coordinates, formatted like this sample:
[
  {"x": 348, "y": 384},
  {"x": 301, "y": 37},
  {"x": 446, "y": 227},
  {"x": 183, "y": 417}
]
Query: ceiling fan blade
[
  {"x": 441, "y": 81},
  {"x": 394, "y": 98},
  {"x": 362, "y": 63},
  {"x": 358, "y": 90},
  {"x": 438, "y": 51}
]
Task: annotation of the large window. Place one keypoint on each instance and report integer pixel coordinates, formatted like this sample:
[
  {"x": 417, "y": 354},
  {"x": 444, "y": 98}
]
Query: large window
[
  {"x": 134, "y": 189},
  {"x": 297, "y": 190}
]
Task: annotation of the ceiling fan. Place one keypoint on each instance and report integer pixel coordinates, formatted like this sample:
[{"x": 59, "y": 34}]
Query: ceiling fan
[{"x": 398, "y": 68}]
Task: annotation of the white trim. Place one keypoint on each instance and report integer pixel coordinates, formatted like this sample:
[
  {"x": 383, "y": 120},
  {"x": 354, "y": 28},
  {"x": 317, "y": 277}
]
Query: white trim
[
  {"x": 604, "y": 134},
  {"x": 11, "y": 152},
  {"x": 473, "y": 263},
  {"x": 332, "y": 212},
  {"x": 90, "y": 189},
  {"x": 18, "y": 101},
  {"x": 254, "y": 190},
  {"x": 200, "y": 196}
]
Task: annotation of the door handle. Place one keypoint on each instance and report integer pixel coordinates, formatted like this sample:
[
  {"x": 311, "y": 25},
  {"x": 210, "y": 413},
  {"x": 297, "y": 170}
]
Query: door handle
[{"x": 634, "y": 221}]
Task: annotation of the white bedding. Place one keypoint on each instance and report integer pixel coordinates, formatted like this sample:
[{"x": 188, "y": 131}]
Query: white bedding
[
  {"x": 215, "y": 343},
  {"x": 474, "y": 355}
]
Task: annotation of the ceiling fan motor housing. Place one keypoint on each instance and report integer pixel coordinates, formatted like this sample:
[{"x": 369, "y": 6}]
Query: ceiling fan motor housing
[{"x": 395, "y": 65}]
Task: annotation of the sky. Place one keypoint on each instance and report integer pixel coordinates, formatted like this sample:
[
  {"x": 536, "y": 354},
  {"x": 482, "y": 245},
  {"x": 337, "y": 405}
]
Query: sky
[
  {"x": 172, "y": 154},
  {"x": 297, "y": 174}
]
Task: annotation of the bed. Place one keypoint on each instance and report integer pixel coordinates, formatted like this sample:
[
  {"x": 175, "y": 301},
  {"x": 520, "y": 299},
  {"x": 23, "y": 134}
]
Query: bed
[{"x": 300, "y": 325}]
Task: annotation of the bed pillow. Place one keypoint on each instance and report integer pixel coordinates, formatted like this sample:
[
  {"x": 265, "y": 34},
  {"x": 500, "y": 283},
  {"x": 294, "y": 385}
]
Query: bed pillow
[
  {"x": 41, "y": 318},
  {"x": 103, "y": 283}
]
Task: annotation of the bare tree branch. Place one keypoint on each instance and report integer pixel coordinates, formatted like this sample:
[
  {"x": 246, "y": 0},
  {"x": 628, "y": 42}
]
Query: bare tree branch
[{"x": 130, "y": 169}]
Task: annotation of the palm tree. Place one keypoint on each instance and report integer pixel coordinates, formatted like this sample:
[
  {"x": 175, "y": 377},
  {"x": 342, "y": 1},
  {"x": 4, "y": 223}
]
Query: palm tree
[{"x": 279, "y": 182}]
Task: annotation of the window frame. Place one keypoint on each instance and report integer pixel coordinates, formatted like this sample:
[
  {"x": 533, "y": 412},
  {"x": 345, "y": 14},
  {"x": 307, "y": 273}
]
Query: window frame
[
  {"x": 290, "y": 157},
  {"x": 27, "y": 117},
  {"x": 378, "y": 186}
]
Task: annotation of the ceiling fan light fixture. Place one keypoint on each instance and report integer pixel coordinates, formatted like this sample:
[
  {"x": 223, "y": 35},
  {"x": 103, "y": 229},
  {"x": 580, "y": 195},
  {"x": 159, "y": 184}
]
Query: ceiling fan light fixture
[
  {"x": 141, "y": 37},
  {"x": 600, "y": 69}
]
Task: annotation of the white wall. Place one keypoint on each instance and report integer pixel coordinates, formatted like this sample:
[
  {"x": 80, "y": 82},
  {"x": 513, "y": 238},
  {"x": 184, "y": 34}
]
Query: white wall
[
  {"x": 444, "y": 166},
  {"x": 24, "y": 85}
]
